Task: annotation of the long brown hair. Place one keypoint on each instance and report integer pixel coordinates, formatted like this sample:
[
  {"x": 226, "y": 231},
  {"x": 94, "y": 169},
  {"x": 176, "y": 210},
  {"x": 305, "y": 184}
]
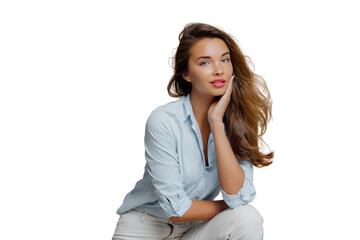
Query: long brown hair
[{"x": 249, "y": 110}]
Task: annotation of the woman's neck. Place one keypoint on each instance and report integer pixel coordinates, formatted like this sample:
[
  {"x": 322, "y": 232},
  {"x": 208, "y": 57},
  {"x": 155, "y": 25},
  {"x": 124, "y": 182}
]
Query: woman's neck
[{"x": 200, "y": 106}]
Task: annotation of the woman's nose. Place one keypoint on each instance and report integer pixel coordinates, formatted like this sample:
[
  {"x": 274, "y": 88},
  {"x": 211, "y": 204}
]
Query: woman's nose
[{"x": 217, "y": 70}]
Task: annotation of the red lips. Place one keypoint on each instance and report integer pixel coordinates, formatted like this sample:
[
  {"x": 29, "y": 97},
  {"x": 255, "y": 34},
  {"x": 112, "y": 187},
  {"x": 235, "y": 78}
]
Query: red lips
[{"x": 218, "y": 81}]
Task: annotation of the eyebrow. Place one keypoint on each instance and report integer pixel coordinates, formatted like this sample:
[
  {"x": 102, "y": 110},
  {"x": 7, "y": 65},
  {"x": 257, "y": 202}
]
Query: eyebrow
[{"x": 210, "y": 57}]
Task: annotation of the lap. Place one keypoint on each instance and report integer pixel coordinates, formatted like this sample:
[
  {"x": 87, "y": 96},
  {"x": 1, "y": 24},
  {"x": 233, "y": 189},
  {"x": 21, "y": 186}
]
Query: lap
[{"x": 243, "y": 222}]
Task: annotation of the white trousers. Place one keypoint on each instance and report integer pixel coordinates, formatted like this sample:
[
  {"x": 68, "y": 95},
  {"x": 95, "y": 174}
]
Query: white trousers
[{"x": 241, "y": 223}]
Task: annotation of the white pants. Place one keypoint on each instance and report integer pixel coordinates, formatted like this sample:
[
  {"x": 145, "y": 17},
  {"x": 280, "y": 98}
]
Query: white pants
[{"x": 241, "y": 223}]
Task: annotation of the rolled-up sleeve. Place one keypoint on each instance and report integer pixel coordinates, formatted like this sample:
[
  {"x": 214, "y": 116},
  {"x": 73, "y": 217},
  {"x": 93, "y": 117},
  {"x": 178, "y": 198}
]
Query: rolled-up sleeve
[
  {"x": 163, "y": 166},
  {"x": 247, "y": 193}
]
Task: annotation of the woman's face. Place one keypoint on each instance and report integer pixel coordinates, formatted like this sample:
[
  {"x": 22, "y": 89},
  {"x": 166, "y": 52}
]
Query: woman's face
[{"x": 210, "y": 67}]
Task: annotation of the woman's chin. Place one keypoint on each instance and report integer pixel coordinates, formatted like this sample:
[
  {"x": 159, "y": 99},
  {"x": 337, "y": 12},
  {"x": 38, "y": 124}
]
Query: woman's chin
[{"x": 220, "y": 92}]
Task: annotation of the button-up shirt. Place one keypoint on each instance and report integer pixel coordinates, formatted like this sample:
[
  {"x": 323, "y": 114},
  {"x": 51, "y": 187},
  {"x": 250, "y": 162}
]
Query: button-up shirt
[{"x": 175, "y": 170}]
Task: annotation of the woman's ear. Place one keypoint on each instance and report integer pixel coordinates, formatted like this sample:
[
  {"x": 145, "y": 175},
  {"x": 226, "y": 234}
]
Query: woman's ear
[{"x": 186, "y": 77}]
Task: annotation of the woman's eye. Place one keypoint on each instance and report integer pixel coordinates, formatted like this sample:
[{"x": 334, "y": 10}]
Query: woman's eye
[
  {"x": 203, "y": 63},
  {"x": 226, "y": 60}
]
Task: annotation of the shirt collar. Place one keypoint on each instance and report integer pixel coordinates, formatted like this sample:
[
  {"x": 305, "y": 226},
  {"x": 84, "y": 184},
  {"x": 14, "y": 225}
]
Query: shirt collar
[
  {"x": 190, "y": 114},
  {"x": 187, "y": 107}
]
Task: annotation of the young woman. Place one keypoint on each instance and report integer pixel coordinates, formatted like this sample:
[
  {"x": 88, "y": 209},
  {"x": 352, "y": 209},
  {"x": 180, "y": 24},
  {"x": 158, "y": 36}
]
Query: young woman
[{"x": 202, "y": 144}]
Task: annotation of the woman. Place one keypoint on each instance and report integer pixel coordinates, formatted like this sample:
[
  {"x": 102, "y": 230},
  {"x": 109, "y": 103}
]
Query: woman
[{"x": 204, "y": 143}]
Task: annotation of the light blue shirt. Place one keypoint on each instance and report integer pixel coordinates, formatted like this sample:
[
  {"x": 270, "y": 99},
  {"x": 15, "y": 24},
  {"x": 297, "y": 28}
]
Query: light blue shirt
[{"x": 175, "y": 170}]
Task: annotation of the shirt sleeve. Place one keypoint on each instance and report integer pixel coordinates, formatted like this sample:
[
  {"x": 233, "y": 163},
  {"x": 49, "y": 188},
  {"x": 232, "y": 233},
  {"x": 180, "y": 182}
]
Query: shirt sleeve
[
  {"x": 247, "y": 193},
  {"x": 163, "y": 166}
]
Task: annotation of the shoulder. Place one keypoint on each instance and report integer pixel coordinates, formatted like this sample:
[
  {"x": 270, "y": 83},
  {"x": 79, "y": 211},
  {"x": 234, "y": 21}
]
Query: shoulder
[{"x": 166, "y": 115}]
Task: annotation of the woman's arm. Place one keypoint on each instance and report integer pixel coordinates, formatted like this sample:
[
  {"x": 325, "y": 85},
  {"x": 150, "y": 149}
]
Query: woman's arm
[
  {"x": 201, "y": 210},
  {"x": 231, "y": 175}
]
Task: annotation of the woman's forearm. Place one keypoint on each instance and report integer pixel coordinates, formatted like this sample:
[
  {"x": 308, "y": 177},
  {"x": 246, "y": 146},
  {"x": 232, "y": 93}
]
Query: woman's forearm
[
  {"x": 201, "y": 210},
  {"x": 231, "y": 175}
]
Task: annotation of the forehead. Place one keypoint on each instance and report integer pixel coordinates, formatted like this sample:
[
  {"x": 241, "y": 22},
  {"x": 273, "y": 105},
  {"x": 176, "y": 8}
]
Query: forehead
[{"x": 212, "y": 47}]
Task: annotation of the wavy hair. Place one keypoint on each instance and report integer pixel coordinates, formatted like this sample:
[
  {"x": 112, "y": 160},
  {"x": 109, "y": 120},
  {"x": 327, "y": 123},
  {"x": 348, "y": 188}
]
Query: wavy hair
[{"x": 250, "y": 106}]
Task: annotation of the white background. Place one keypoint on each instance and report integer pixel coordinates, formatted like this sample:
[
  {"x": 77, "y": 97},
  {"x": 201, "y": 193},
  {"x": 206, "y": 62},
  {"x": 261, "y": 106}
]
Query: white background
[{"x": 79, "y": 79}]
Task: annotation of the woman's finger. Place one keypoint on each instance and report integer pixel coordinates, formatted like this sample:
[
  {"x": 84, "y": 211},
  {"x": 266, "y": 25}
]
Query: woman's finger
[{"x": 227, "y": 94}]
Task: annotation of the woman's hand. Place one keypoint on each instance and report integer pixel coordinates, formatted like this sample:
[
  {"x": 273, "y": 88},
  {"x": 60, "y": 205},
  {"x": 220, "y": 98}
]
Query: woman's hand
[{"x": 217, "y": 109}]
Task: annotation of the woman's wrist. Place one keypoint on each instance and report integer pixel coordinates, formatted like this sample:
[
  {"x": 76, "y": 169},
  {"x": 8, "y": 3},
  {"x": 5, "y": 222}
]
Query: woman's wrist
[
  {"x": 216, "y": 124},
  {"x": 223, "y": 205}
]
